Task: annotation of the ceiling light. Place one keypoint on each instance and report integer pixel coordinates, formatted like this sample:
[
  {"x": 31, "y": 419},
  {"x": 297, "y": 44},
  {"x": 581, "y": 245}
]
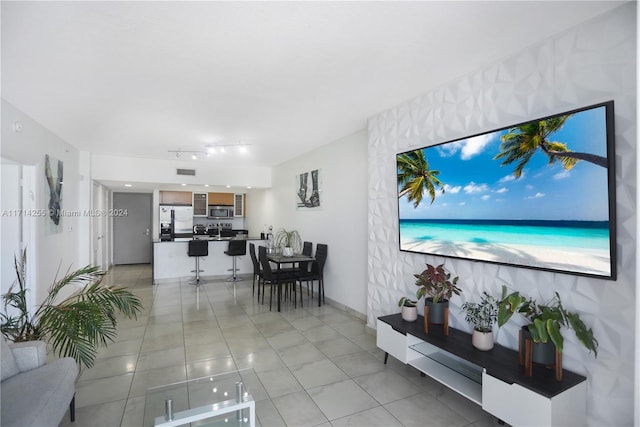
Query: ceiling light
[
  {"x": 206, "y": 185},
  {"x": 208, "y": 150},
  {"x": 184, "y": 185},
  {"x": 128, "y": 185}
]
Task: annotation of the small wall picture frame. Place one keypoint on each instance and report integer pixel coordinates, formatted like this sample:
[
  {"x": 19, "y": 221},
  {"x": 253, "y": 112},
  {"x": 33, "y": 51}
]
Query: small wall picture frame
[
  {"x": 309, "y": 190},
  {"x": 53, "y": 174}
]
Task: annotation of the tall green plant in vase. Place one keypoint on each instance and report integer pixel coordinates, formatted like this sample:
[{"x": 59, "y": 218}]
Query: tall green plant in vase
[
  {"x": 74, "y": 325},
  {"x": 289, "y": 240}
]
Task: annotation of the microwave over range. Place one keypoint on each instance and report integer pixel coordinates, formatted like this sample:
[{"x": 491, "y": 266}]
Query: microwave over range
[{"x": 220, "y": 212}]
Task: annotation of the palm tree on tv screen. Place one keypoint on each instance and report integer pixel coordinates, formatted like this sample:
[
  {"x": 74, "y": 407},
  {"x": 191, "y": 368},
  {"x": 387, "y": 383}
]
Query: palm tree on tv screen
[
  {"x": 522, "y": 142},
  {"x": 415, "y": 177}
]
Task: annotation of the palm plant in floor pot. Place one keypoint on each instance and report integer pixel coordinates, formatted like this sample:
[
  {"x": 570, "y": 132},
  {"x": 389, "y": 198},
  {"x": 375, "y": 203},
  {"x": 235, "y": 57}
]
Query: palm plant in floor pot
[
  {"x": 482, "y": 316},
  {"x": 76, "y": 317}
]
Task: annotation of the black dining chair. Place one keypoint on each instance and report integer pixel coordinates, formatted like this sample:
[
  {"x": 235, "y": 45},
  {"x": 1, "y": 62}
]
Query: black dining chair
[
  {"x": 307, "y": 249},
  {"x": 303, "y": 267},
  {"x": 271, "y": 278},
  {"x": 257, "y": 270},
  {"x": 316, "y": 273}
]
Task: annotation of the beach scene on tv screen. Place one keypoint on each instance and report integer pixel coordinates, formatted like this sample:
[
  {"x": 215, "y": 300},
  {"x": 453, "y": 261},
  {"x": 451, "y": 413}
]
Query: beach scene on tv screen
[{"x": 533, "y": 195}]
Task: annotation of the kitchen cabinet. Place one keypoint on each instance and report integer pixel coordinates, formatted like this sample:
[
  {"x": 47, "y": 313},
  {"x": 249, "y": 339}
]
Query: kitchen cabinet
[
  {"x": 200, "y": 204},
  {"x": 183, "y": 198},
  {"x": 238, "y": 205},
  {"x": 221, "y": 199}
]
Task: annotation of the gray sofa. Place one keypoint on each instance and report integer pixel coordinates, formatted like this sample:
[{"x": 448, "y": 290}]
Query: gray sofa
[{"x": 35, "y": 393}]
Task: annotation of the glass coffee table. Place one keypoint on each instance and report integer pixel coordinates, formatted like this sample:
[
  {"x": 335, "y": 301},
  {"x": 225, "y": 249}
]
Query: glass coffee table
[{"x": 215, "y": 400}]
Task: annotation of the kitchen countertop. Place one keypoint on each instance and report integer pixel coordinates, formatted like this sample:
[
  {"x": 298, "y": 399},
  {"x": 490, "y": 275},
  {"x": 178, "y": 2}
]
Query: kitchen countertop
[{"x": 211, "y": 239}]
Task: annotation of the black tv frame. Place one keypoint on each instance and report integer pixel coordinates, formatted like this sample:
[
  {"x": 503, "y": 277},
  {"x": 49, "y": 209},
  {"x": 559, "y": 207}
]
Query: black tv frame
[{"x": 611, "y": 185}]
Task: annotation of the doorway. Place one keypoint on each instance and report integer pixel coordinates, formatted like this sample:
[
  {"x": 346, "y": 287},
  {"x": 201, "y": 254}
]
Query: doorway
[
  {"x": 99, "y": 227},
  {"x": 132, "y": 228},
  {"x": 18, "y": 225}
]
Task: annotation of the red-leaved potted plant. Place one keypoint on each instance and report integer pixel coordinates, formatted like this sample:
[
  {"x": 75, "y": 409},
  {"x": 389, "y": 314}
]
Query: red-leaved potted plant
[{"x": 437, "y": 287}]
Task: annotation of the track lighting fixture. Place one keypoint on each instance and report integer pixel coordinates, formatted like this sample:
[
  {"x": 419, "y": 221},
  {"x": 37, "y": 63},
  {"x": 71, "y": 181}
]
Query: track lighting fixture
[{"x": 211, "y": 150}]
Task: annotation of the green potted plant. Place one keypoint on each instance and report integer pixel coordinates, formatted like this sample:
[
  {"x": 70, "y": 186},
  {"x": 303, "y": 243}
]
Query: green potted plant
[
  {"x": 546, "y": 324},
  {"x": 482, "y": 316},
  {"x": 289, "y": 241},
  {"x": 409, "y": 309},
  {"x": 437, "y": 287},
  {"x": 74, "y": 325},
  {"x": 512, "y": 303}
]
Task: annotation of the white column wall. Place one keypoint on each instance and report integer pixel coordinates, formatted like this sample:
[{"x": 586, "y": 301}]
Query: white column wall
[
  {"x": 85, "y": 185},
  {"x": 11, "y": 224},
  {"x": 590, "y": 63}
]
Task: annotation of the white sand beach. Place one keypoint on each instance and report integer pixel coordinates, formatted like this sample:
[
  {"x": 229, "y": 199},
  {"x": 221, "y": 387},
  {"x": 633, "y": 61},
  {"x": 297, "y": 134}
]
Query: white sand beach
[{"x": 579, "y": 260}]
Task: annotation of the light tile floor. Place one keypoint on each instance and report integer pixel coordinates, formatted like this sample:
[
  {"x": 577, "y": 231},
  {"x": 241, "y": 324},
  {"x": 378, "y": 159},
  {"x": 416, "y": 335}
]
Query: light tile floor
[{"x": 318, "y": 366}]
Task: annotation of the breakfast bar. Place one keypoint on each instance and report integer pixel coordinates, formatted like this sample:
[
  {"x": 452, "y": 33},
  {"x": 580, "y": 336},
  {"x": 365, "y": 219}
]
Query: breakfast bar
[{"x": 171, "y": 261}]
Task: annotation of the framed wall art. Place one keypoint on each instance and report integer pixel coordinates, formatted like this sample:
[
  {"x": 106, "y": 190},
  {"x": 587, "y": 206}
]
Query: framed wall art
[
  {"x": 309, "y": 190},
  {"x": 53, "y": 172}
]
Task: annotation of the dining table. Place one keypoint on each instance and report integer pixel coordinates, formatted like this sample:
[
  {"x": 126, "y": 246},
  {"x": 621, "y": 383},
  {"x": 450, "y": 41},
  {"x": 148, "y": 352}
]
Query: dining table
[{"x": 279, "y": 259}]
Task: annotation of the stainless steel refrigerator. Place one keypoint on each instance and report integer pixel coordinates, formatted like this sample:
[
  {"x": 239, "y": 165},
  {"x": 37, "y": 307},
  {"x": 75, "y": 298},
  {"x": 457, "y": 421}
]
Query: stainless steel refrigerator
[{"x": 180, "y": 219}]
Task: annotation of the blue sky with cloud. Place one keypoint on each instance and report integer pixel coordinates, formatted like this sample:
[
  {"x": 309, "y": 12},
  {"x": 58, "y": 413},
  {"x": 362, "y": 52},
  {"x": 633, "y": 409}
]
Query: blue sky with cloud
[{"x": 477, "y": 187}]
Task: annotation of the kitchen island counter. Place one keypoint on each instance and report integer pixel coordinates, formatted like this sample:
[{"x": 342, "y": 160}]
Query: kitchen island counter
[
  {"x": 171, "y": 259},
  {"x": 210, "y": 238}
]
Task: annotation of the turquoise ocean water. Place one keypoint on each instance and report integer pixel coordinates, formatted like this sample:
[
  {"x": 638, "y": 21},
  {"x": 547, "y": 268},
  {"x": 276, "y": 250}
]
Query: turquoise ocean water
[{"x": 576, "y": 235}]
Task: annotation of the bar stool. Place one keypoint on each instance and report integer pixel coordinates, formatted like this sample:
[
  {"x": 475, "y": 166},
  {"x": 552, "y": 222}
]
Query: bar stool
[
  {"x": 198, "y": 248},
  {"x": 236, "y": 248}
]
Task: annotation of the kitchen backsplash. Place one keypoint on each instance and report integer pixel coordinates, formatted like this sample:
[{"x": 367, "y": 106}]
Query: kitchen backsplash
[{"x": 236, "y": 223}]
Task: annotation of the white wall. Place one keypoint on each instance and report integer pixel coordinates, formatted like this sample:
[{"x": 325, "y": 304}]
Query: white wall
[
  {"x": 341, "y": 221},
  {"x": 10, "y": 235},
  {"x": 85, "y": 188},
  {"x": 163, "y": 172},
  {"x": 593, "y": 62},
  {"x": 17, "y": 231},
  {"x": 29, "y": 147}
]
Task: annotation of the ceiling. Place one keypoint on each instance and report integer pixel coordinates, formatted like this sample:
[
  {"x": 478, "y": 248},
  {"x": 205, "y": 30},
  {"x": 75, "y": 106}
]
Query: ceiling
[{"x": 139, "y": 79}]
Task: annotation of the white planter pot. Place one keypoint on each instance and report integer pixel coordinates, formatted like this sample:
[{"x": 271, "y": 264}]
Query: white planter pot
[
  {"x": 409, "y": 314},
  {"x": 482, "y": 340},
  {"x": 287, "y": 251}
]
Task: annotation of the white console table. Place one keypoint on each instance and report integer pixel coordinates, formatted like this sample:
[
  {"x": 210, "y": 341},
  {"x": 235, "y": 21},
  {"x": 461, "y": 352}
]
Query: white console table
[{"x": 492, "y": 379}]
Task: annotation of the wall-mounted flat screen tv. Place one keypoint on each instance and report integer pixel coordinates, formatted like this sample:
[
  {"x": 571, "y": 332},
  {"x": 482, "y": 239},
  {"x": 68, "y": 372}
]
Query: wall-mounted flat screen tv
[{"x": 539, "y": 194}]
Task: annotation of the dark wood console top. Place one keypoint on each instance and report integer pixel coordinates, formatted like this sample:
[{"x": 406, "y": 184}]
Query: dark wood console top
[{"x": 499, "y": 362}]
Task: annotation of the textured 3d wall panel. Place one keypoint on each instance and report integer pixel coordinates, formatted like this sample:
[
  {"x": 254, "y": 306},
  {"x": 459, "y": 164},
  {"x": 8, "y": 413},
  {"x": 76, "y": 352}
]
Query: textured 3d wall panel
[{"x": 590, "y": 63}]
